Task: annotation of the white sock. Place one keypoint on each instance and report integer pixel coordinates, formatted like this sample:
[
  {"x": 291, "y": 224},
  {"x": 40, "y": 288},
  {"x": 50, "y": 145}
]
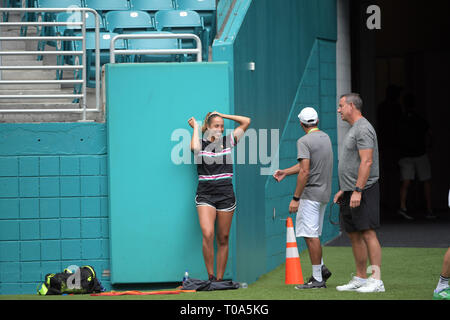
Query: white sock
[
  {"x": 321, "y": 262},
  {"x": 442, "y": 284},
  {"x": 317, "y": 272},
  {"x": 361, "y": 279}
]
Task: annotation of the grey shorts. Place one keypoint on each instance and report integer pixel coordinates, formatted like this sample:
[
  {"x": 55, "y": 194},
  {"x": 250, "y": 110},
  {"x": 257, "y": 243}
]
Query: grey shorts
[
  {"x": 364, "y": 217},
  {"x": 412, "y": 166}
]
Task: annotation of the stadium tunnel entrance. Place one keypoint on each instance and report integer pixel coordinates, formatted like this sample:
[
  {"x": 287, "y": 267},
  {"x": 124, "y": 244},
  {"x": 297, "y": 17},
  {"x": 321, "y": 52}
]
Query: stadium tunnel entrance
[{"x": 407, "y": 56}]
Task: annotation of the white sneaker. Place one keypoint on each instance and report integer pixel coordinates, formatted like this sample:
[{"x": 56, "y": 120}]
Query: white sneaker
[
  {"x": 372, "y": 285},
  {"x": 353, "y": 285}
]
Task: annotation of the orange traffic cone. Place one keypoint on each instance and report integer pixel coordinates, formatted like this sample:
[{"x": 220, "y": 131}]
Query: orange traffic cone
[{"x": 293, "y": 266}]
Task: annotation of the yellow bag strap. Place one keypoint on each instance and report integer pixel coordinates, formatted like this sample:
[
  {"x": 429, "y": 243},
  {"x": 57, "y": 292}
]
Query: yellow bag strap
[{"x": 90, "y": 268}]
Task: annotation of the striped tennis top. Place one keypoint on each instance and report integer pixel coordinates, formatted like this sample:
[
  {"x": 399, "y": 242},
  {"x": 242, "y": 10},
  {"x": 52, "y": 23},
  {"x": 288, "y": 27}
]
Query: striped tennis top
[{"x": 215, "y": 164}]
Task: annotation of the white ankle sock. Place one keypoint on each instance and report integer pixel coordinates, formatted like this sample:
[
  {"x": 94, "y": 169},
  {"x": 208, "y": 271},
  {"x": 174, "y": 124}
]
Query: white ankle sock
[
  {"x": 317, "y": 272},
  {"x": 442, "y": 284}
]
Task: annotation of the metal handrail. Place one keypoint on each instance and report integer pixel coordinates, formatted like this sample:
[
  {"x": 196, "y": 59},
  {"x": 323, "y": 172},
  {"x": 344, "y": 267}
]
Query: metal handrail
[
  {"x": 41, "y": 67},
  {"x": 23, "y": 53},
  {"x": 81, "y": 67},
  {"x": 41, "y": 38},
  {"x": 197, "y": 51}
]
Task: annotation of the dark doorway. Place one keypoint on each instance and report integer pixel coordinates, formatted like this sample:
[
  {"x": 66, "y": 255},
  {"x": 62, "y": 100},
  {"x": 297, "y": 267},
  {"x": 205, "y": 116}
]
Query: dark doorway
[{"x": 410, "y": 55}]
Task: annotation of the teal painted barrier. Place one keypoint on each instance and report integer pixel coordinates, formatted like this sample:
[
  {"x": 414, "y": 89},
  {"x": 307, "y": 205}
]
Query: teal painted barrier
[
  {"x": 155, "y": 233},
  {"x": 53, "y": 202}
]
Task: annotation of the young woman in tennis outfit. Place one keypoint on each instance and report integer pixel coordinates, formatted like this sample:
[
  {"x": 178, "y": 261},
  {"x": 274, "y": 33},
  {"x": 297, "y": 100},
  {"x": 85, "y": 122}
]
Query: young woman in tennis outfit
[{"x": 215, "y": 198}]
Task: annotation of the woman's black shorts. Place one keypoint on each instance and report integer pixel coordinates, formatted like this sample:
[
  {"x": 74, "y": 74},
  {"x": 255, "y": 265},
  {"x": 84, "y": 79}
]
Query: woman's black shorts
[
  {"x": 224, "y": 201},
  {"x": 364, "y": 217}
]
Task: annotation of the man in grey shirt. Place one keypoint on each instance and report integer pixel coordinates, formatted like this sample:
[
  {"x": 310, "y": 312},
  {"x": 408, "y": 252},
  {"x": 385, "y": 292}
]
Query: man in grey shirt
[
  {"x": 359, "y": 195},
  {"x": 314, "y": 173}
]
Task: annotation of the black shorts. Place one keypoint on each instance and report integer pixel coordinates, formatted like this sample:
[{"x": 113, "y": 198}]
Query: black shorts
[
  {"x": 364, "y": 217},
  {"x": 224, "y": 201}
]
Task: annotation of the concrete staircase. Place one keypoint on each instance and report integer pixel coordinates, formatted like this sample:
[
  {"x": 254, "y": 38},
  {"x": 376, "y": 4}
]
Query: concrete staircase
[{"x": 37, "y": 89}]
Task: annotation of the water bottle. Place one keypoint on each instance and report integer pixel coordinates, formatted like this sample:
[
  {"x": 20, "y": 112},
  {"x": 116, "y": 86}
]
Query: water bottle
[
  {"x": 243, "y": 285},
  {"x": 186, "y": 276}
]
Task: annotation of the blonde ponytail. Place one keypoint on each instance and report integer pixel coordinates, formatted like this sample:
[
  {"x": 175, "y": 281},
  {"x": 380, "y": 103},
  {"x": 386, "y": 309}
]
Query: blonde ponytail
[{"x": 205, "y": 123}]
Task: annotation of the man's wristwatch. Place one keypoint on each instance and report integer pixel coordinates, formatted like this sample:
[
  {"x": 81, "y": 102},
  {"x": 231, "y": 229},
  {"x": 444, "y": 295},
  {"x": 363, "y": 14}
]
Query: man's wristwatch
[
  {"x": 295, "y": 198},
  {"x": 358, "y": 189}
]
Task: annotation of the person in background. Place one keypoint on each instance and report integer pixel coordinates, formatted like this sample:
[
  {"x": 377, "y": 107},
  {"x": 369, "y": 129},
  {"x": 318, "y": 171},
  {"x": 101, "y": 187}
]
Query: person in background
[{"x": 414, "y": 136}]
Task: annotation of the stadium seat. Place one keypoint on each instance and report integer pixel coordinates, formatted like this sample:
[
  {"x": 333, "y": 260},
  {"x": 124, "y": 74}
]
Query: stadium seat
[
  {"x": 105, "y": 41},
  {"x": 57, "y": 3},
  {"x": 101, "y": 6},
  {"x": 202, "y": 5},
  {"x": 72, "y": 30},
  {"x": 206, "y": 9},
  {"x": 139, "y": 44},
  {"x": 28, "y": 17},
  {"x": 9, "y": 4},
  {"x": 128, "y": 21},
  {"x": 65, "y": 16},
  {"x": 51, "y": 31},
  {"x": 151, "y": 6},
  {"x": 180, "y": 21}
]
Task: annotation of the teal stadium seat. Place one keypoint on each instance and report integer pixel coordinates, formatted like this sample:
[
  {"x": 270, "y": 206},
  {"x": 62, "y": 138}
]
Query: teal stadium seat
[
  {"x": 102, "y": 6},
  {"x": 105, "y": 41},
  {"x": 139, "y": 44},
  {"x": 70, "y": 31},
  {"x": 151, "y": 6},
  {"x": 181, "y": 21},
  {"x": 128, "y": 21},
  {"x": 10, "y": 4},
  {"x": 75, "y": 30},
  {"x": 206, "y": 9},
  {"x": 28, "y": 17}
]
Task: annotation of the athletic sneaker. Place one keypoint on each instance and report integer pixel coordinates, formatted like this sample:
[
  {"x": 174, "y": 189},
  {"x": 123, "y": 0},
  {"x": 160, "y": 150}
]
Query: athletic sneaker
[
  {"x": 354, "y": 284},
  {"x": 312, "y": 284},
  {"x": 372, "y": 285},
  {"x": 326, "y": 274},
  {"x": 442, "y": 295},
  {"x": 404, "y": 214},
  {"x": 212, "y": 278}
]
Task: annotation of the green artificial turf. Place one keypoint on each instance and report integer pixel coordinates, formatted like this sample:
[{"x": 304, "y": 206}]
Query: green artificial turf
[{"x": 407, "y": 273}]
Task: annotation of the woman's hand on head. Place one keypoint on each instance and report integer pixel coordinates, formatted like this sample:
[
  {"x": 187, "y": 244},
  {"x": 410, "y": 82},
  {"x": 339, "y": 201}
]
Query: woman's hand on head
[{"x": 193, "y": 123}]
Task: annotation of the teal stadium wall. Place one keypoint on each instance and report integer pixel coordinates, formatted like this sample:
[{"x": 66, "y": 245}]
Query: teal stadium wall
[
  {"x": 293, "y": 45},
  {"x": 53, "y": 202}
]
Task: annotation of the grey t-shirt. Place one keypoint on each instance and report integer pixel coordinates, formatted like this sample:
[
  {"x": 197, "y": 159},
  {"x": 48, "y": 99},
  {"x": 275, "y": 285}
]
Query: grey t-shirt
[
  {"x": 316, "y": 146},
  {"x": 361, "y": 136}
]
